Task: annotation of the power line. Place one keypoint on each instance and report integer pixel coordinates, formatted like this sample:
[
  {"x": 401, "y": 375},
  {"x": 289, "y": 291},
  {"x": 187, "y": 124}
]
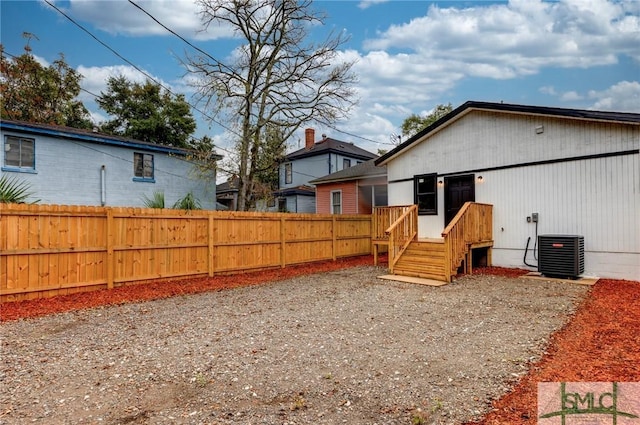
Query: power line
[
  {"x": 225, "y": 66},
  {"x": 359, "y": 137},
  {"x": 221, "y": 64},
  {"x": 140, "y": 70}
]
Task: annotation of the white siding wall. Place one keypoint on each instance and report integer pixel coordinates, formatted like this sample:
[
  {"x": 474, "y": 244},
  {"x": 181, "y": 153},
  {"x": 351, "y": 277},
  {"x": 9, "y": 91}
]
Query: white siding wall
[
  {"x": 68, "y": 172},
  {"x": 598, "y": 198}
]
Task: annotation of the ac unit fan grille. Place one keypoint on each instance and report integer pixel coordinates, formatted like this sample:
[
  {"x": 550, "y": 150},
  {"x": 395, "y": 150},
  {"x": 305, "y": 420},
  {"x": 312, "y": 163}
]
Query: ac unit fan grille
[{"x": 561, "y": 255}]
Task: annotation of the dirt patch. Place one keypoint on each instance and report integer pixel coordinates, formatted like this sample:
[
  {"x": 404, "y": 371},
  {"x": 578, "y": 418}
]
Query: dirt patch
[{"x": 337, "y": 347}]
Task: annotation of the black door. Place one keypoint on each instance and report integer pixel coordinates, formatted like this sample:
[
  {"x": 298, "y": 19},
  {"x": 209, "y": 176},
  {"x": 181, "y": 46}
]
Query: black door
[{"x": 457, "y": 191}]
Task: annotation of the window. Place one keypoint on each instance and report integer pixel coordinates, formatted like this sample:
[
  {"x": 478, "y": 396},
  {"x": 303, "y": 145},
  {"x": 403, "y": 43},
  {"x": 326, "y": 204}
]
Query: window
[
  {"x": 143, "y": 166},
  {"x": 346, "y": 163},
  {"x": 288, "y": 173},
  {"x": 425, "y": 194},
  {"x": 19, "y": 152},
  {"x": 336, "y": 202},
  {"x": 282, "y": 204}
]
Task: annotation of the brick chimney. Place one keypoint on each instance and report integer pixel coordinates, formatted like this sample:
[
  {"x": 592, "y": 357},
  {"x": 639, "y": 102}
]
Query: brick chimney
[{"x": 309, "y": 138}]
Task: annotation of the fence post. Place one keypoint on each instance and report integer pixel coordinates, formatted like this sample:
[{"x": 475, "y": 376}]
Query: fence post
[
  {"x": 110, "y": 262},
  {"x": 211, "y": 262},
  {"x": 283, "y": 244},
  {"x": 334, "y": 247}
]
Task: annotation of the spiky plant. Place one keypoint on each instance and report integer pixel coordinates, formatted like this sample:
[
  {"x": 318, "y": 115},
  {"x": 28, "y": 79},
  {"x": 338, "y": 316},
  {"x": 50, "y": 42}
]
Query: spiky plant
[
  {"x": 156, "y": 201},
  {"x": 14, "y": 191},
  {"x": 188, "y": 202}
]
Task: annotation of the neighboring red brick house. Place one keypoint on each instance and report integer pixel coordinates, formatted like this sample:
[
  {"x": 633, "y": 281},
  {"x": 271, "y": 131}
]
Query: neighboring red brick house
[{"x": 354, "y": 190}]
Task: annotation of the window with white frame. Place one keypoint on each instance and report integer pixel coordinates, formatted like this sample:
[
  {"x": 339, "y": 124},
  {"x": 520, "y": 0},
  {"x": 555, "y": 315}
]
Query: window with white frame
[
  {"x": 336, "y": 202},
  {"x": 19, "y": 153},
  {"x": 346, "y": 163},
  {"x": 143, "y": 166}
]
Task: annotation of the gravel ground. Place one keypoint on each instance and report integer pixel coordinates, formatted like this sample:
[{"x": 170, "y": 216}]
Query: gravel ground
[{"x": 338, "y": 347}]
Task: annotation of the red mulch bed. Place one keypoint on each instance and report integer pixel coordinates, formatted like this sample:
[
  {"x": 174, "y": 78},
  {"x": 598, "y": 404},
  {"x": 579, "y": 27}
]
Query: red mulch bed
[
  {"x": 600, "y": 343},
  {"x": 165, "y": 289}
]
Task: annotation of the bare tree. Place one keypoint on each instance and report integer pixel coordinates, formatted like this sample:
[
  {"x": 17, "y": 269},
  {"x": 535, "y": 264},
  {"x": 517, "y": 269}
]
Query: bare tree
[{"x": 276, "y": 78}]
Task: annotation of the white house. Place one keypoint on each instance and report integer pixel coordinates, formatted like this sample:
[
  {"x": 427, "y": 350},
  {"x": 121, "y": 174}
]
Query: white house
[
  {"x": 69, "y": 166},
  {"x": 544, "y": 170}
]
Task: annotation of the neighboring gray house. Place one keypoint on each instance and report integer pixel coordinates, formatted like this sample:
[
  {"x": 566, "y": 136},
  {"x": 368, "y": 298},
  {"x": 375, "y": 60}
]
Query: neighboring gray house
[
  {"x": 70, "y": 166},
  {"x": 315, "y": 160}
]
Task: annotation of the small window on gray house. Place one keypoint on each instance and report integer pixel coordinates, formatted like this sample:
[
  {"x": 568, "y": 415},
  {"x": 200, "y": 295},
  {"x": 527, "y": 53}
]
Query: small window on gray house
[
  {"x": 336, "y": 202},
  {"x": 143, "y": 166},
  {"x": 346, "y": 163},
  {"x": 425, "y": 194},
  {"x": 19, "y": 153},
  {"x": 288, "y": 173},
  {"x": 282, "y": 204}
]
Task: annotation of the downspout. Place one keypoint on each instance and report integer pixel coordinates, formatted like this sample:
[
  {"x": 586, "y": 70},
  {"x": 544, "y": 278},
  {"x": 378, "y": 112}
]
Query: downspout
[{"x": 103, "y": 185}]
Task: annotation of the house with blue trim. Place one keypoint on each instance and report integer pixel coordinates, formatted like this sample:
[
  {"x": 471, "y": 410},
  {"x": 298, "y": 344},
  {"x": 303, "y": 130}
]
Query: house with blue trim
[
  {"x": 70, "y": 166},
  {"x": 317, "y": 159}
]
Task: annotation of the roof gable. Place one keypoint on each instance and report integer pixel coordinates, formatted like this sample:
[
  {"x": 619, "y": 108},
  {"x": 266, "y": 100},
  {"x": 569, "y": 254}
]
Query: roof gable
[{"x": 468, "y": 107}]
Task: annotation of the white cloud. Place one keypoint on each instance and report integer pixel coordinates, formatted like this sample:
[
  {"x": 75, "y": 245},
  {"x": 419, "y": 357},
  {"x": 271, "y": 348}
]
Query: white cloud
[
  {"x": 622, "y": 97},
  {"x": 518, "y": 38},
  {"x": 571, "y": 96},
  {"x": 365, "y": 4},
  {"x": 121, "y": 17},
  {"x": 412, "y": 66}
]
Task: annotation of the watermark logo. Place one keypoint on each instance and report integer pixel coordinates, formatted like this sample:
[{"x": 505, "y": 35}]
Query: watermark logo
[{"x": 592, "y": 403}]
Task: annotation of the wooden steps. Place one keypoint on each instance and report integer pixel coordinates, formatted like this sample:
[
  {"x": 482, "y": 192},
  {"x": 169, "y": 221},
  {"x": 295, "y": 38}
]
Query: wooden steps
[{"x": 424, "y": 259}]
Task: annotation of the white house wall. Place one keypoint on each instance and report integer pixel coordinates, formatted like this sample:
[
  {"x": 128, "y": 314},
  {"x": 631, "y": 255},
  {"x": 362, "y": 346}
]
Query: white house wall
[
  {"x": 69, "y": 172},
  {"x": 597, "y": 197}
]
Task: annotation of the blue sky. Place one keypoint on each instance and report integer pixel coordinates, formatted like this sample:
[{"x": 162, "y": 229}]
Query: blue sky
[{"x": 410, "y": 55}]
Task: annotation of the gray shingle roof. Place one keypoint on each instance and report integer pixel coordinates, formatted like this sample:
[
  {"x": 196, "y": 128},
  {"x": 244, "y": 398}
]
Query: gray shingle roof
[
  {"x": 329, "y": 145},
  {"x": 366, "y": 169}
]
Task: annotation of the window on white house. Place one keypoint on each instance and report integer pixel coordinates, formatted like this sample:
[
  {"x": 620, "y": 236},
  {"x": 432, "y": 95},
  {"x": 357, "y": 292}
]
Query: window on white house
[
  {"x": 19, "y": 153},
  {"x": 346, "y": 163},
  {"x": 288, "y": 173},
  {"x": 336, "y": 202},
  {"x": 143, "y": 166},
  {"x": 425, "y": 194}
]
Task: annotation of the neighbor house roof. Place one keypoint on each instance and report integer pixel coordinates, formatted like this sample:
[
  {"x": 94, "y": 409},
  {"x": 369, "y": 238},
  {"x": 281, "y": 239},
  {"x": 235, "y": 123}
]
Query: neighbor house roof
[
  {"x": 467, "y": 107},
  {"x": 230, "y": 185},
  {"x": 298, "y": 190},
  {"x": 329, "y": 145},
  {"x": 70, "y": 133},
  {"x": 360, "y": 171}
]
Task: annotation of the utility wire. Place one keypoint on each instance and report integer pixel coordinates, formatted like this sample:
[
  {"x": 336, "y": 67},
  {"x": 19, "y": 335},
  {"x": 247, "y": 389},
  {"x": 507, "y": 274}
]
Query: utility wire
[
  {"x": 221, "y": 64},
  {"x": 140, "y": 70},
  {"x": 225, "y": 66}
]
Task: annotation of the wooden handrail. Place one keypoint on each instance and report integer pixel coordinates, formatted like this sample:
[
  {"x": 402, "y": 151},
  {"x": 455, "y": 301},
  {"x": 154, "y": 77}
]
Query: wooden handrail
[
  {"x": 472, "y": 224},
  {"x": 400, "y": 219},
  {"x": 401, "y": 233}
]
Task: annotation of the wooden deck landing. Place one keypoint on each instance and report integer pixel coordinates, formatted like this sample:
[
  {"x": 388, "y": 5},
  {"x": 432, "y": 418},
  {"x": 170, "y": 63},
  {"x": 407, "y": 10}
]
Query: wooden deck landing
[{"x": 411, "y": 279}]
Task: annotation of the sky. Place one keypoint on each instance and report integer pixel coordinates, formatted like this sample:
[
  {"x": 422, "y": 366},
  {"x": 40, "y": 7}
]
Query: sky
[{"x": 409, "y": 55}]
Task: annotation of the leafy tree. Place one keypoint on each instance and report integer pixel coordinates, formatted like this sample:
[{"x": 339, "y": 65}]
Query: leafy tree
[
  {"x": 275, "y": 79},
  {"x": 34, "y": 93},
  {"x": 415, "y": 123},
  {"x": 146, "y": 112}
]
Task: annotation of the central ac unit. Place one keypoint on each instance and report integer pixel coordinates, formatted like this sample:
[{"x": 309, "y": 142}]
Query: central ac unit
[{"x": 561, "y": 255}]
